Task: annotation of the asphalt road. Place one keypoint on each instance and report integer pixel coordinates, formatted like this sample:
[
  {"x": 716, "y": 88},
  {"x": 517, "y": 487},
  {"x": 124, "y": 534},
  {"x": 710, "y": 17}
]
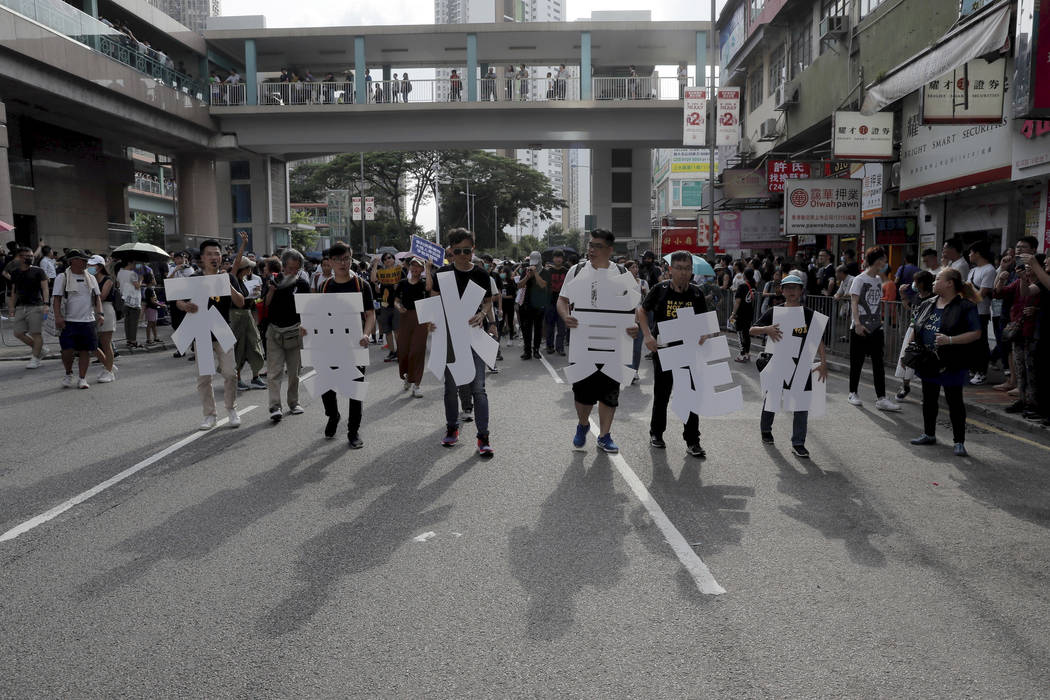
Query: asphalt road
[{"x": 268, "y": 562}]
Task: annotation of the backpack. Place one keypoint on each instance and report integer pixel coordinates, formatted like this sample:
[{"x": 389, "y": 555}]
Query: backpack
[{"x": 115, "y": 298}]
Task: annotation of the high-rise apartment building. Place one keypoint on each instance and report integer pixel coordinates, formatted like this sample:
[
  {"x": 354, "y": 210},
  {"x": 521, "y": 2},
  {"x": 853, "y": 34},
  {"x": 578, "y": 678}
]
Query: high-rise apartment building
[{"x": 190, "y": 13}]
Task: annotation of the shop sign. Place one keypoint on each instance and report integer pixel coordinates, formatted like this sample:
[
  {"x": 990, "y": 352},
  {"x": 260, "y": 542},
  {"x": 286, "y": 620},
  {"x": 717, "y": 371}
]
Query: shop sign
[
  {"x": 692, "y": 193},
  {"x": 744, "y": 183},
  {"x": 822, "y": 207},
  {"x": 938, "y": 158},
  {"x": 780, "y": 171},
  {"x": 1031, "y": 148},
  {"x": 970, "y": 94},
  {"x": 896, "y": 230},
  {"x": 694, "y": 130},
  {"x": 679, "y": 239},
  {"x": 729, "y": 229},
  {"x": 855, "y": 136},
  {"x": 703, "y": 235},
  {"x": 872, "y": 177},
  {"x": 727, "y": 129},
  {"x": 759, "y": 226}
]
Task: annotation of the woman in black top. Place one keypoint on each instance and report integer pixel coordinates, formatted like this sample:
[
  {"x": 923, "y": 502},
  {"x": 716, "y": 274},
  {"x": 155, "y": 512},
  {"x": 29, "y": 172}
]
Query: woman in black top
[
  {"x": 744, "y": 314},
  {"x": 508, "y": 289},
  {"x": 411, "y": 334}
]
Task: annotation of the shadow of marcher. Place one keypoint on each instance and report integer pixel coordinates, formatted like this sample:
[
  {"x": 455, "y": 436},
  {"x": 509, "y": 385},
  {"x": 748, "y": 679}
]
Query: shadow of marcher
[
  {"x": 577, "y": 542},
  {"x": 368, "y": 540},
  {"x": 830, "y": 504}
]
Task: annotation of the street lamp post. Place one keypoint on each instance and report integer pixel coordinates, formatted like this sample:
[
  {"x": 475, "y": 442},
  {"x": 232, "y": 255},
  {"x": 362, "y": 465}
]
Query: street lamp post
[{"x": 495, "y": 227}]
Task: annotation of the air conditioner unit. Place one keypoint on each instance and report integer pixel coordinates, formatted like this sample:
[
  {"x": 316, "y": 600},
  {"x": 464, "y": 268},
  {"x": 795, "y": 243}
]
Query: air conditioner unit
[
  {"x": 833, "y": 26},
  {"x": 768, "y": 131},
  {"x": 786, "y": 96},
  {"x": 895, "y": 176},
  {"x": 745, "y": 147}
]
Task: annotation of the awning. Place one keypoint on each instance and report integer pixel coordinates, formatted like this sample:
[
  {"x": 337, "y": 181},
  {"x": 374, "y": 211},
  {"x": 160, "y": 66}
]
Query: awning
[{"x": 955, "y": 48}]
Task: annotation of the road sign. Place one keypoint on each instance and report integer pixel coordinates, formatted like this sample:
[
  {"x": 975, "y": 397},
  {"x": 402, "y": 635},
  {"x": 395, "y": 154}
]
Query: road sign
[
  {"x": 370, "y": 208},
  {"x": 356, "y": 205}
]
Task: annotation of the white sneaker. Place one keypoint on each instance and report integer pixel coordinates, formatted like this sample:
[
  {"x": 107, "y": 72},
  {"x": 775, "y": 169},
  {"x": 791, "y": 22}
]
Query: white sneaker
[
  {"x": 104, "y": 377},
  {"x": 67, "y": 381},
  {"x": 978, "y": 379},
  {"x": 235, "y": 420},
  {"x": 854, "y": 399},
  {"x": 885, "y": 404},
  {"x": 296, "y": 410},
  {"x": 416, "y": 392},
  {"x": 208, "y": 423},
  {"x": 406, "y": 385},
  {"x": 33, "y": 363},
  {"x": 82, "y": 384},
  {"x": 276, "y": 414}
]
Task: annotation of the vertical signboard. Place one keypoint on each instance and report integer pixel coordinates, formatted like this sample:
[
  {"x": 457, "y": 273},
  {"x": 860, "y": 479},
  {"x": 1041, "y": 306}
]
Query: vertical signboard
[
  {"x": 729, "y": 229},
  {"x": 694, "y": 128},
  {"x": 370, "y": 208},
  {"x": 356, "y": 206},
  {"x": 727, "y": 129}
]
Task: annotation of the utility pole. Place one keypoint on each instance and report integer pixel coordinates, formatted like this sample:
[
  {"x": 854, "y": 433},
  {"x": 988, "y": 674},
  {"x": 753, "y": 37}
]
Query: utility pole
[
  {"x": 361, "y": 190},
  {"x": 495, "y": 227},
  {"x": 712, "y": 121}
]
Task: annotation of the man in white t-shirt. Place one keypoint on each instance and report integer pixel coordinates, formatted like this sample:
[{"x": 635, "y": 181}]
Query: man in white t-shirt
[
  {"x": 982, "y": 277},
  {"x": 130, "y": 286},
  {"x": 866, "y": 332},
  {"x": 952, "y": 254},
  {"x": 78, "y": 312}
]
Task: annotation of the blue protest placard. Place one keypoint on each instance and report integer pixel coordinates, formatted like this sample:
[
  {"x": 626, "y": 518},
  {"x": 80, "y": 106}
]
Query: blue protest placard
[{"x": 428, "y": 250}]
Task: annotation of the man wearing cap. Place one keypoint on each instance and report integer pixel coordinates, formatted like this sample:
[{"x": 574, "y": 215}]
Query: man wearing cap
[
  {"x": 249, "y": 344},
  {"x": 536, "y": 283},
  {"x": 791, "y": 287},
  {"x": 78, "y": 311},
  {"x": 27, "y": 304},
  {"x": 556, "y": 331}
]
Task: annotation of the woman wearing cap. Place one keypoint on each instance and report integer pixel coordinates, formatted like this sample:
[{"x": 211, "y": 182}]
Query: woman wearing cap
[
  {"x": 108, "y": 291},
  {"x": 411, "y": 334},
  {"x": 249, "y": 343}
]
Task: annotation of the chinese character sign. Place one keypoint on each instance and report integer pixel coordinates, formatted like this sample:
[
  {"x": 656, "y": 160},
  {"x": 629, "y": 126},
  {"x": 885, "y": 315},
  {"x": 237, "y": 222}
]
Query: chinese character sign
[
  {"x": 604, "y": 301},
  {"x": 450, "y": 313},
  {"x": 332, "y": 344},
  {"x": 426, "y": 250},
  {"x": 778, "y": 172},
  {"x": 697, "y": 369},
  {"x": 788, "y": 379},
  {"x": 823, "y": 207},
  {"x": 859, "y": 137},
  {"x": 203, "y": 323}
]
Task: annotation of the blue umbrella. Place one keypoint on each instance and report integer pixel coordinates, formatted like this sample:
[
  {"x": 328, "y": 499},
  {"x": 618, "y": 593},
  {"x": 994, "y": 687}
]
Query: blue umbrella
[{"x": 700, "y": 266}]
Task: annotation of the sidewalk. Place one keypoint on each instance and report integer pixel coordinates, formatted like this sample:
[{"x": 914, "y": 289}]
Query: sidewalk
[{"x": 13, "y": 350}]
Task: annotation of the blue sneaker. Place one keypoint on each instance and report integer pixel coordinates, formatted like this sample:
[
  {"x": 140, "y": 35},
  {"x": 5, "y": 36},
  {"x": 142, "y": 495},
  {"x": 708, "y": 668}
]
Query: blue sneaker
[
  {"x": 606, "y": 444},
  {"x": 580, "y": 440}
]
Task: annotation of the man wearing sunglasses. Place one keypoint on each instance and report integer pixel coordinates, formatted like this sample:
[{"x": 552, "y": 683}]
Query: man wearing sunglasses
[{"x": 461, "y": 253}]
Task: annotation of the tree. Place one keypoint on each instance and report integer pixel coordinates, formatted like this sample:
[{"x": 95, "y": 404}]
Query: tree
[
  {"x": 305, "y": 185},
  {"x": 149, "y": 228},
  {"x": 303, "y": 240}
]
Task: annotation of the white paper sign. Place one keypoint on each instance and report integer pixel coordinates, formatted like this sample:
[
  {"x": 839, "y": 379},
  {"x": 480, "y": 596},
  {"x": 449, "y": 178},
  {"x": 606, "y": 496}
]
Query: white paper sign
[
  {"x": 451, "y": 315},
  {"x": 859, "y": 137},
  {"x": 356, "y": 208},
  {"x": 727, "y": 129},
  {"x": 694, "y": 130},
  {"x": 697, "y": 369},
  {"x": 822, "y": 207},
  {"x": 792, "y": 365},
  {"x": 206, "y": 321},
  {"x": 332, "y": 344}
]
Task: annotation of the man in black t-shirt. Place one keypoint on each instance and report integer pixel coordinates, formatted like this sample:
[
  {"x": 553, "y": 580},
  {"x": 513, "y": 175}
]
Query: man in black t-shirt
[
  {"x": 461, "y": 252},
  {"x": 663, "y": 301},
  {"x": 342, "y": 281},
  {"x": 1042, "y": 277},
  {"x": 284, "y": 335},
  {"x": 27, "y": 304}
]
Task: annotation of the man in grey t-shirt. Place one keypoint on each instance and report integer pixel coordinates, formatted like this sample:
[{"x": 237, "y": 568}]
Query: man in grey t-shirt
[{"x": 866, "y": 334}]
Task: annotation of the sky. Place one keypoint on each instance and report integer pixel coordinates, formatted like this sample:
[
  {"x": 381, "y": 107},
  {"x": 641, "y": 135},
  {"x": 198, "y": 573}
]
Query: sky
[{"x": 319, "y": 13}]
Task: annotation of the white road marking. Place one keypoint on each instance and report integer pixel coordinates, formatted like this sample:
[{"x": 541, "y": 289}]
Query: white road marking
[
  {"x": 424, "y": 537},
  {"x": 553, "y": 372},
  {"x": 94, "y": 491},
  {"x": 696, "y": 567}
]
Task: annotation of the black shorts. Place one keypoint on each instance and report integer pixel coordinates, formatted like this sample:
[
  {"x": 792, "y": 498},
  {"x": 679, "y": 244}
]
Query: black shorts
[
  {"x": 597, "y": 388},
  {"x": 79, "y": 336}
]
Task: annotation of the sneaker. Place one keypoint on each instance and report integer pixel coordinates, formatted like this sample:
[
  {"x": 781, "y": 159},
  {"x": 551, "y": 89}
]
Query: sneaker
[
  {"x": 580, "y": 439},
  {"x": 82, "y": 383},
  {"x": 406, "y": 385},
  {"x": 484, "y": 448},
  {"x": 208, "y": 423},
  {"x": 526, "y": 355},
  {"x": 924, "y": 439},
  {"x": 176, "y": 354},
  {"x": 767, "y": 438},
  {"x": 695, "y": 450},
  {"x": 499, "y": 356},
  {"x": 742, "y": 358},
  {"x": 606, "y": 444},
  {"x": 235, "y": 420},
  {"x": 800, "y": 451},
  {"x": 493, "y": 370},
  {"x": 417, "y": 392},
  {"x": 978, "y": 379},
  {"x": 960, "y": 450},
  {"x": 1015, "y": 407},
  {"x": 355, "y": 442},
  {"x": 276, "y": 415},
  {"x": 635, "y": 378},
  {"x": 331, "y": 426},
  {"x": 550, "y": 350},
  {"x": 451, "y": 437},
  {"x": 466, "y": 416},
  {"x": 392, "y": 357},
  {"x": 903, "y": 392},
  {"x": 1032, "y": 415},
  {"x": 657, "y": 441},
  {"x": 885, "y": 404},
  {"x": 854, "y": 399},
  {"x": 105, "y": 377},
  {"x": 33, "y": 363},
  {"x": 296, "y": 410},
  {"x": 242, "y": 385},
  {"x": 257, "y": 383},
  {"x": 67, "y": 381}
]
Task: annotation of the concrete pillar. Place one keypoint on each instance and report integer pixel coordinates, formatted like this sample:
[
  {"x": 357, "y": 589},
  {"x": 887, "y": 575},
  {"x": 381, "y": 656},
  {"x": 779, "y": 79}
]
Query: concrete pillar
[
  {"x": 641, "y": 194},
  {"x": 251, "y": 73},
  {"x": 387, "y": 95},
  {"x": 472, "y": 67},
  {"x": 359, "y": 71},
  {"x": 585, "y": 69},
  {"x": 601, "y": 183},
  {"x": 91, "y": 8},
  {"x": 198, "y": 206},
  {"x": 7, "y": 209},
  {"x": 202, "y": 69}
]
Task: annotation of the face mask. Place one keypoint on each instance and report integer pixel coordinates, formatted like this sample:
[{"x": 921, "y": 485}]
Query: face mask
[
  {"x": 915, "y": 287},
  {"x": 92, "y": 270},
  {"x": 503, "y": 275}
]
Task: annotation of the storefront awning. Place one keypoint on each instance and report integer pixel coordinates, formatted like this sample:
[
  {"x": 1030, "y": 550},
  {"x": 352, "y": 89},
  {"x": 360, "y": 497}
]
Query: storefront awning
[{"x": 955, "y": 48}]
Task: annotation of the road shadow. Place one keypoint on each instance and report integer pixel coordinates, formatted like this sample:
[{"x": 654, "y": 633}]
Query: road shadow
[
  {"x": 370, "y": 539},
  {"x": 1019, "y": 487},
  {"x": 196, "y": 531},
  {"x": 576, "y": 544},
  {"x": 833, "y": 506}
]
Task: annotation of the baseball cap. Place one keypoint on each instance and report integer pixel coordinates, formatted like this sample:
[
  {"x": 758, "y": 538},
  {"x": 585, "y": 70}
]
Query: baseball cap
[
  {"x": 791, "y": 279},
  {"x": 96, "y": 260}
]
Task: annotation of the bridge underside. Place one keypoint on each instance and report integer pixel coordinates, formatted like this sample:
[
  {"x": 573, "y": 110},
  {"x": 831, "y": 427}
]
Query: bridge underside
[{"x": 306, "y": 130}]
